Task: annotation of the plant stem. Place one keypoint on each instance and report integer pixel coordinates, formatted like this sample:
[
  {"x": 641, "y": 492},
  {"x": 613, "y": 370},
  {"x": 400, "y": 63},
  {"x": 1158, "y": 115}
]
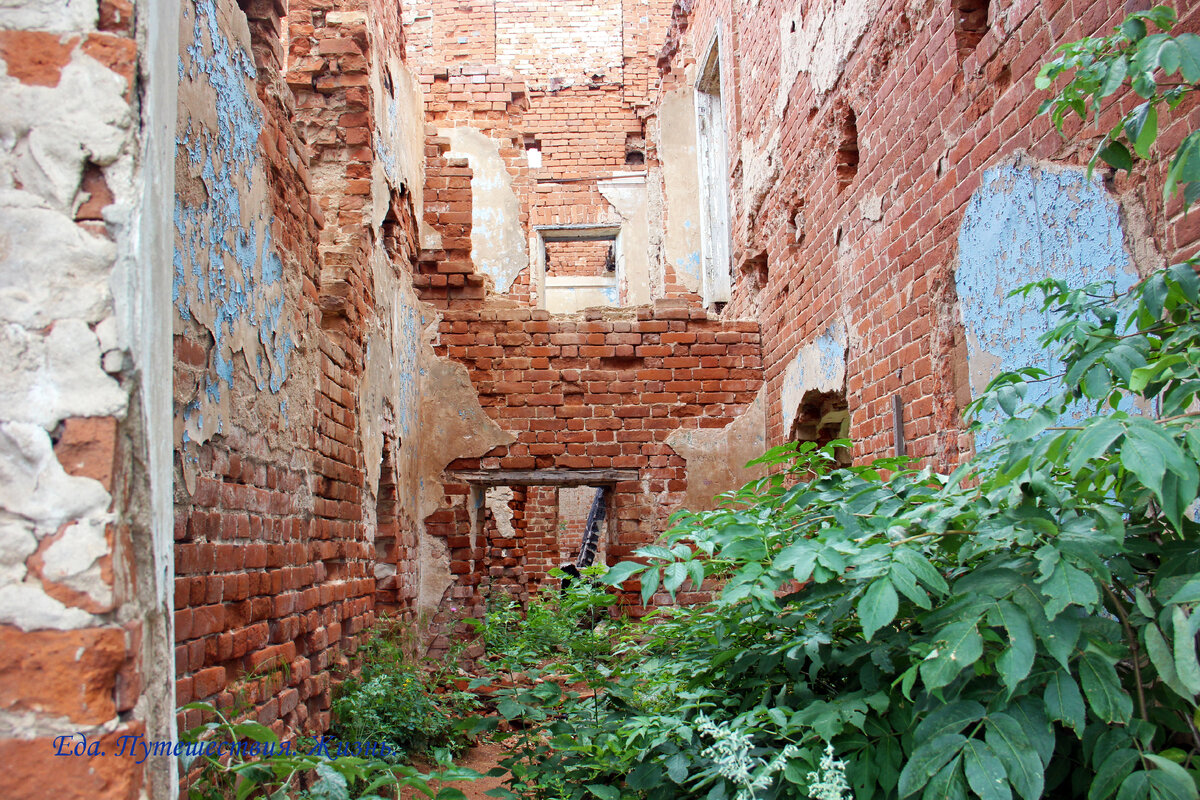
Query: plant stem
[{"x": 1133, "y": 648}]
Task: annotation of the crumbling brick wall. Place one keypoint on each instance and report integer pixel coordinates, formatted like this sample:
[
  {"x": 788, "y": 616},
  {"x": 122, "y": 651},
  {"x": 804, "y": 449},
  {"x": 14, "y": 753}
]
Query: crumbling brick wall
[
  {"x": 288, "y": 423},
  {"x": 84, "y": 613},
  {"x": 867, "y": 142}
]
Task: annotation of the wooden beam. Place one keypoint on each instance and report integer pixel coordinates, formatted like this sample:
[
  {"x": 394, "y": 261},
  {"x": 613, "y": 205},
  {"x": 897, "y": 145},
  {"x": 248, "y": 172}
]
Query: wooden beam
[{"x": 542, "y": 477}]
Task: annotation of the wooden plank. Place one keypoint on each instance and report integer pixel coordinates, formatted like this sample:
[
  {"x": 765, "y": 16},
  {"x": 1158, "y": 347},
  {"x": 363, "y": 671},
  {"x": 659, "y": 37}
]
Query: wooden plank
[{"x": 542, "y": 477}]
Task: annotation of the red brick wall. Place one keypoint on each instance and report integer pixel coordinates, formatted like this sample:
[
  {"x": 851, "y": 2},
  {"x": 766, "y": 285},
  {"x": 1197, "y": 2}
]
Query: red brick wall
[
  {"x": 564, "y": 259},
  {"x": 275, "y": 563},
  {"x": 927, "y": 128}
]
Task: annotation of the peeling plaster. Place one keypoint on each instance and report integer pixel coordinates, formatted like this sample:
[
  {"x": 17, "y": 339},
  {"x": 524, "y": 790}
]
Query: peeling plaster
[
  {"x": 1027, "y": 222},
  {"x": 453, "y": 425},
  {"x": 817, "y": 39},
  {"x": 629, "y": 199},
  {"x": 44, "y": 379},
  {"x": 228, "y": 273},
  {"x": 819, "y": 366},
  {"x": 716, "y": 458},
  {"x": 680, "y": 171},
  {"x": 53, "y": 267},
  {"x": 497, "y": 239},
  {"x": 49, "y": 15}
]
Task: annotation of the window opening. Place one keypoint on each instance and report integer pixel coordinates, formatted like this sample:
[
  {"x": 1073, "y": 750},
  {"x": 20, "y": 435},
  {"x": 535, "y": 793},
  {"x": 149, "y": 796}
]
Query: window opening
[{"x": 713, "y": 164}]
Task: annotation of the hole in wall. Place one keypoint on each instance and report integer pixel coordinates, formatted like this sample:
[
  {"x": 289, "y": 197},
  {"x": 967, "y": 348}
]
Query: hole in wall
[
  {"x": 755, "y": 271},
  {"x": 822, "y": 417},
  {"x": 847, "y": 154},
  {"x": 635, "y": 158},
  {"x": 970, "y": 25}
]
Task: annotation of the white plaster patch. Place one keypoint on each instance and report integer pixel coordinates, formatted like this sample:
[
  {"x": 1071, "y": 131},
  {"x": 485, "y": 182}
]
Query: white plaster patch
[
  {"x": 817, "y": 40},
  {"x": 44, "y": 379},
  {"x": 49, "y": 266},
  {"x": 50, "y": 15},
  {"x": 818, "y": 366},
  {"x": 760, "y": 167},
  {"x": 73, "y": 559},
  {"x": 17, "y": 543},
  {"x": 497, "y": 239},
  {"x": 33, "y": 484},
  {"x": 680, "y": 170},
  {"x": 47, "y": 133},
  {"x": 28, "y": 607}
]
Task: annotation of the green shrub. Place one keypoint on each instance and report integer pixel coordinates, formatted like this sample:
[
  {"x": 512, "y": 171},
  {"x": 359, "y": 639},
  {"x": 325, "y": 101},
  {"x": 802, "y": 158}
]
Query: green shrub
[{"x": 399, "y": 703}]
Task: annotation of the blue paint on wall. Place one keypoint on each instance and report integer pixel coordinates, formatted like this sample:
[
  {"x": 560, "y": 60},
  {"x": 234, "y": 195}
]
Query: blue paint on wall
[
  {"x": 227, "y": 269},
  {"x": 1026, "y": 223}
]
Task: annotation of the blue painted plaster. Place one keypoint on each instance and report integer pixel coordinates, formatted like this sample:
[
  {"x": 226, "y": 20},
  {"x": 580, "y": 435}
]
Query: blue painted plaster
[
  {"x": 227, "y": 270},
  {"x": 1025, "y": 223}
]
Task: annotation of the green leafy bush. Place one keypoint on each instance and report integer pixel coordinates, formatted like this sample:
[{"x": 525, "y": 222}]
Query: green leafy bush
[
  {"x": 396, "y": 702},
  {"x": 556, "y": 625},
  {"x": 228, "y": 760}
]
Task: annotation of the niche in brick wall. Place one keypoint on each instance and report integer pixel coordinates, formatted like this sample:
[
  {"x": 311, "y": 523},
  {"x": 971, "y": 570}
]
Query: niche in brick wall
[
  {"x": 821, "y": 418},
  {"x": 847, "y": 154},
  {"x": 970, "y": 25},
  {"x": 386, "y": 532},
  {"x": 755, "y": 272}
]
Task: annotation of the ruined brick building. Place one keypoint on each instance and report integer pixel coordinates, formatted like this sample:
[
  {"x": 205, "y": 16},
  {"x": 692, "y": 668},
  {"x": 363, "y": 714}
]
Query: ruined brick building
[{"x": 317, "y": 309}]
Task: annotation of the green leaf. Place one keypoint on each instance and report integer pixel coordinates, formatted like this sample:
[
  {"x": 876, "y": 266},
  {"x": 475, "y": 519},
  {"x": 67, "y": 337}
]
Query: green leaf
[
  {"x": 959, "y": 646},
  {"x": 1093, "y": 442},
  {"x": 255, "y": 731},
  {"x": 1116, "y": 155},
  {"x": 1011, "y": 744},
  {"x": 1103, "y": 689},
  {"x": 1059, "y": 636},
  {"x": 1188, "y": 593},
  {"x": 927, "y": 760},
  {"x": 985, "y": 774},
  {"x": 1176, "y": 775},
  {"x": 677, "y": 767},
  {"x": 949, "y": 718},
  {"x": 1189, "y": 56},
  {"x": 1016, "y": 661},
  {"x": 1142, "y": 454},
  {"x": 1068, "y": 585},
  {"x": 696, "y": 573},
  {"x": 674, "y": 576},
  {"x": 622, "y": 572},
  {"x": 920, "y": 566},
  {"x": 1111, "y": 773},
  {"x": 948, "y": 783},
  {"x": 603, "y": 791},
  {"x": 800, "y": 557},
  {"x": 878, "y": 606},
  {"x": 1064, "y": 701},
  {"x": 509, "y": 708},
  {"x": 1163, "y": 659},
  {"x": 649, "y": 585},
  {"x": 1186, "y": 666}
]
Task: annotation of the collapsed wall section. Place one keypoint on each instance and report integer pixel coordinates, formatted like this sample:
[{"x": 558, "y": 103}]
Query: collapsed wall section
[{"x": 298, "y": 348}]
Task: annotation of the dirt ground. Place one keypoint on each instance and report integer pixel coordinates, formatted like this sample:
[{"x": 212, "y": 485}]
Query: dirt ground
[{"x": 480, "y": 758}]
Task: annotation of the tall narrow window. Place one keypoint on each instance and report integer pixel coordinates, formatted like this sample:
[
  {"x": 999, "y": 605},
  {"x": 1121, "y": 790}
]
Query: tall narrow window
[{"x": 714, "y": 179}]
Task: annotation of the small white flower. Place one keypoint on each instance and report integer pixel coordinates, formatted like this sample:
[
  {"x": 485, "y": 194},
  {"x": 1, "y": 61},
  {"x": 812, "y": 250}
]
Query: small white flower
[{"x": 829, "y": 781}]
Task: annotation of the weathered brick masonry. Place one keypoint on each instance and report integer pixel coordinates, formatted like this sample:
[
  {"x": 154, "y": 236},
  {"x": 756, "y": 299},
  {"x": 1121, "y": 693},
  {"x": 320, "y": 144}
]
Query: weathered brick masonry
[
  {"x": 438, "y": 270},
  {"x": 868, "y": 143}
]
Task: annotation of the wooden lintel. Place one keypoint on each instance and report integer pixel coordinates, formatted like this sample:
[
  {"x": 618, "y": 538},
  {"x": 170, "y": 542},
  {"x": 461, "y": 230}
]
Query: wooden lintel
[{"x": 542, "y": 477}]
